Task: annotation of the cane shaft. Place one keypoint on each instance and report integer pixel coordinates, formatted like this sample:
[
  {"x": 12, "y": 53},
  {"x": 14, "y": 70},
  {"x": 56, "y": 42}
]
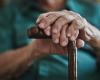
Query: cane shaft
[
  {"x": 72, "y": 60},
  {"x": 37, "y": 33}
]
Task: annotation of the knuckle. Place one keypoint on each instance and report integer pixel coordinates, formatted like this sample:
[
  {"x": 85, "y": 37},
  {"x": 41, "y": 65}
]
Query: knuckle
[
  {"x": 62, "y": 18},
  {"x": 56, "y": 25},
  {"x": 42, "y": 16},
  {"x": 71, "y": 12},
  {"x": 56, "y": 35},
  {"x": 50, "y": 16},
  {"x": 62, "y": 21},
  {"x": 78, "y": 14}
]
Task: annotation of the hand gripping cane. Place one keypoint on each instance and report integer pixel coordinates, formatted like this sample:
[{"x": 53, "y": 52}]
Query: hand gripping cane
[{"x": 37, "y": 33}]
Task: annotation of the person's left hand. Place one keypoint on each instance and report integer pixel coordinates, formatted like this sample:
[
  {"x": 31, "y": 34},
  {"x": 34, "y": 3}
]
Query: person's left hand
[{"x": 63, "y": 26}]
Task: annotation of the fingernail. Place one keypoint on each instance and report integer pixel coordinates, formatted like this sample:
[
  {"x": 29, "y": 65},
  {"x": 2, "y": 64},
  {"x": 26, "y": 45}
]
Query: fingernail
[
  {"x": 68, "y": 35},
  {"x": 55, "y": 31},
  {"x": 64, "y": 43},
  {"x": 41, "y": 25},
  {"x": 48, "y": 33},
  {"x": 56, "y": 41},
  {"x": 72, "y": 38}
]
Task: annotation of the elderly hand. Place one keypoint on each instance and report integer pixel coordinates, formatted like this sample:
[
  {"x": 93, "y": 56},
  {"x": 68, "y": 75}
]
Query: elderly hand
[
  {"x": 44, "y": 47},
  {"x": 64, "y": 26}
]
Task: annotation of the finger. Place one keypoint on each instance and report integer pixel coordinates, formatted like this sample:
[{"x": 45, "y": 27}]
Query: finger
[
  {"x": 55, "y": 38},
  {"x": 48, "y": 20},
  {"x": 56, "y": 29},
  {"x": 68, "y": 15},
  {"x": 74, "y": 37},
  {"x": 47, "y": 31},
  {"x": 42, "y": 16},
  {"x": 61, "y": 21},
  {"x": 43, "y": 23},
  {"x": 63, "y": 38},
  {"x": 83, "y": 35},
  {"x": 72, "y": 29},
  {"x": 79, "y": 43}
]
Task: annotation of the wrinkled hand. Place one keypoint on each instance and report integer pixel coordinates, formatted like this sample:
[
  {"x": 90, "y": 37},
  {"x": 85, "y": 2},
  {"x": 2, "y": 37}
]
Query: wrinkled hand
[
  {"x": 46, "y": 46},
  {"x": 63, "y": 26}
]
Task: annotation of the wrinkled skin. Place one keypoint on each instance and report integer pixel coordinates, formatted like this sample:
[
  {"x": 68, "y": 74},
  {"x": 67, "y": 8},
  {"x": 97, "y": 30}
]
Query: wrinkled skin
[{"x": 63, "y": 29}]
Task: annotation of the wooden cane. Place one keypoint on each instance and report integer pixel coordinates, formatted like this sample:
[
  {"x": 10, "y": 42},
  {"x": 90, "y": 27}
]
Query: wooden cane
[
  {"x": 37, "y": 33},
  {"x": 72, "y": 60}
]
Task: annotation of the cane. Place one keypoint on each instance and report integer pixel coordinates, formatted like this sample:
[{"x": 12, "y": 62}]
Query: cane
[{"x": 37, "y": 33}]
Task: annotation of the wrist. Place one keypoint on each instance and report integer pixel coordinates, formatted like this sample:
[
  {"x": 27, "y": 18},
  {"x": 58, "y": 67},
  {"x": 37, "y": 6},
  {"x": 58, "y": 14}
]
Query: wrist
[{"x": 35, "y": 53}]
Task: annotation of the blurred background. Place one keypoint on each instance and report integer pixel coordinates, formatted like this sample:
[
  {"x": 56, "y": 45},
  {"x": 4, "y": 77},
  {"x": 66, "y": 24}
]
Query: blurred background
[{"x": 16, "y": 16}]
